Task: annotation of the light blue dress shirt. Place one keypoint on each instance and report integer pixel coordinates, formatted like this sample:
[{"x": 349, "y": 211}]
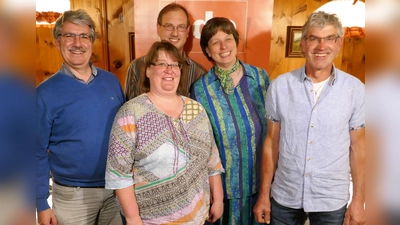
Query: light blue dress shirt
[{"x": 313, "y": 170}]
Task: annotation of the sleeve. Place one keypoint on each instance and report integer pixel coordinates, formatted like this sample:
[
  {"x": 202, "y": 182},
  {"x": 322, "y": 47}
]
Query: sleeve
[
  {"x": 131, "y": 80},
  {"x": 120, "y": 159},
  {"x": 357, "y": 120},
  {"x": 43, "y": 126},
  {"x": 271, "y": 105},
  {"x": 214, "y": 161}
]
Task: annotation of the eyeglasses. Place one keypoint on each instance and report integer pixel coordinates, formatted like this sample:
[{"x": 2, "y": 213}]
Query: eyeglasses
[
  {"x": 174, "y": 66},
  {"x": 312, "y": 40},
  {"x": 70, "y": 37},
  {"x": 170, "y": 27}
]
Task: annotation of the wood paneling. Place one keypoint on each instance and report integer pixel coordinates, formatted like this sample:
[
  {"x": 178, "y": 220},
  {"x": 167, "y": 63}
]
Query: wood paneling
[
  {"x": 119, "y": 24},
  {"x": 96, "y": 9},
  {"x": 48, "y": 58},
  {"x": 351, "y": 58}
]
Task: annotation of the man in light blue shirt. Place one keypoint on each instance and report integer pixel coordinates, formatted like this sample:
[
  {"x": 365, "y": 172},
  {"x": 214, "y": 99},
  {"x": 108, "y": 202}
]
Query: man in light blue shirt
[{"x": 315, "y": 137}]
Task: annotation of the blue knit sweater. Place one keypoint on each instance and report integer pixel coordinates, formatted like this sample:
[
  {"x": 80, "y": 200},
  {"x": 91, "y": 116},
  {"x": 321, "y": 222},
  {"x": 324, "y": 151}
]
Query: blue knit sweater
[{"x": 73, "y": 123}]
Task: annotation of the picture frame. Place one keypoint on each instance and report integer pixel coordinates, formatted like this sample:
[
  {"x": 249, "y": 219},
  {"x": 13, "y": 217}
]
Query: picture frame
[
  {"x": 293, "y": 39},
  {"x": 132, "y": 45}
]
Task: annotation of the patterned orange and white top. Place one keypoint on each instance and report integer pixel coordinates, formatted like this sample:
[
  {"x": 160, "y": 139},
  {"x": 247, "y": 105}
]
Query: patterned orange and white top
[{"x": 168, "y": 160}]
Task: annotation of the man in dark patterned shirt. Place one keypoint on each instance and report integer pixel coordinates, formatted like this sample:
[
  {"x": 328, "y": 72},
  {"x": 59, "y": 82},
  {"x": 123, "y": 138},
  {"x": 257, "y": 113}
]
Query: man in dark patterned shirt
[{"x": 173, "y": 25}]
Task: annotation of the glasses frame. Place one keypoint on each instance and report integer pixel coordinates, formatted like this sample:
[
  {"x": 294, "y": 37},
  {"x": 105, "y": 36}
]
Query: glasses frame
[
  {"x": 168, "y": 28},
  {"x": 166, "y": 65},
  {"x": 81, "y": 36},
  {"x": 319, "y": 39}
]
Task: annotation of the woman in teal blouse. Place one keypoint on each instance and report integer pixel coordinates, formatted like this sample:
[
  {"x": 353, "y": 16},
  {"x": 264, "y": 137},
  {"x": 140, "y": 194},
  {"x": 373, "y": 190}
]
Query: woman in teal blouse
[{"x": 233, "y": 95}]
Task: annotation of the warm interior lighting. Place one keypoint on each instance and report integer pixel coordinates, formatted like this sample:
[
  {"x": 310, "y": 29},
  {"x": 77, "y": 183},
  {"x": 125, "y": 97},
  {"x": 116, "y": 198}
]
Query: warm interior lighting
[
  {"x": 351, "y": 13},
  {"x": 47, "y": 11}
]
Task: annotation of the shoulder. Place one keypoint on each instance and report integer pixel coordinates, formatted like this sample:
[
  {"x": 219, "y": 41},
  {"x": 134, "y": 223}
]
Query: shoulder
[
  {"x": 106, "y": 75},
  {"x": 206, "y": 78},
  {"x": 294, "y": 75},
  {"x": 192, "y": 105},
  {"x": 52, "y": 82},
  {"x": 139, "y": 60},
  {"x": 346, "y": 79},
  {"x": 197, "y": 65}
]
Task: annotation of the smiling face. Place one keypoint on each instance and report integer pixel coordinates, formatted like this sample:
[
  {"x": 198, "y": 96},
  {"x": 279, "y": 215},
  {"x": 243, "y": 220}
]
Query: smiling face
[
  {"x": 163, "y": 80},
  {"x": 177, "y": 38},
  {"x": 77, "y": 51},
  {"x": 222, "y": 48},
  {"x": 319, "y": 57}
]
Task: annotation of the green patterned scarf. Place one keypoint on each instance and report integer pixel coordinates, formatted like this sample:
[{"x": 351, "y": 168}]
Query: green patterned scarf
[{"x": 225, "y": 77}]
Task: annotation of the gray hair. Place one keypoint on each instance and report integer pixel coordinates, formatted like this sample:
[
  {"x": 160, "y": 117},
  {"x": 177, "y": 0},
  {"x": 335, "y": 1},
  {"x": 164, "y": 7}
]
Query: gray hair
[
  {"x": 321, "y": 19},
  {"x": 79, "y": 17}
]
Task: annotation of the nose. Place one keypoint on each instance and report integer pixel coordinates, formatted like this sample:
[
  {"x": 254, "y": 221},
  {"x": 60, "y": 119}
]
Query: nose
[
  {"x": 223, "y": 45},
  {"x": 77, "y": 40},
  {"x": 321, "y": 43},
  {"x": 175, "y": 31}
]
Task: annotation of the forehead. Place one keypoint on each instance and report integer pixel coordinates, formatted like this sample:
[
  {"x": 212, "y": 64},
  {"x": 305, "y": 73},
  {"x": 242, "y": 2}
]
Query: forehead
[
  {"x": 75, "y": 28},
  {"x": 164, "y": 56},
  {"x": 322, "y": 31},
  {"x": 174, "y": 16},
  {"x": 220, "y": 34}
]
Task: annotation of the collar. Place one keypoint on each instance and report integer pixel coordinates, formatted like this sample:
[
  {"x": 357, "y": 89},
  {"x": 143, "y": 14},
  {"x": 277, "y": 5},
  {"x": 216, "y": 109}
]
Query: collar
[
  {"x": 332, "y": 79},
  {"x": 246, "y": 68},
  {"x": 65, "y": 70}
]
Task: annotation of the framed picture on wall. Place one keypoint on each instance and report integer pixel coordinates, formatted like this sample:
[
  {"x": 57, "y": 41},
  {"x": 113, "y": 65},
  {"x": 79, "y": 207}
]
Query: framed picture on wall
[
  {"x": 132, "y": 45},
  {"x": 293, "y": 38}
]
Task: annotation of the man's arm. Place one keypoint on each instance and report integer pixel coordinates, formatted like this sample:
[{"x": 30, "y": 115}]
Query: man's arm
[
  {"x": 44, "y": 125},
  {"x": 355, "y": 211},
  {"x": 269, "y": 163},
  {"x": 130, "y": 81}
]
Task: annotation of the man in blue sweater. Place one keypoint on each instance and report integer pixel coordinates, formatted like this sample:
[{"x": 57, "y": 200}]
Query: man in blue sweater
[{"x": 75, "y": 109}]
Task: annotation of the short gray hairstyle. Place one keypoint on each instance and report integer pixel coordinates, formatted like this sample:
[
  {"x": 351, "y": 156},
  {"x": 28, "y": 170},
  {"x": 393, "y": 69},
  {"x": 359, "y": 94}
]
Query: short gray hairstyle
[
  {"x": 80, "y": 17},
  {"x": 321, "y": 19}
]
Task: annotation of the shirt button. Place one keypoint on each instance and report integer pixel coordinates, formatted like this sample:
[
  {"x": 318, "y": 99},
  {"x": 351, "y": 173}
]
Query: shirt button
[
  {"x": 306, "y": 175},
  {"x": 310, "y": 142},
  {"x": 312, "y": 125},
  {"x": 308, "y": 159}
]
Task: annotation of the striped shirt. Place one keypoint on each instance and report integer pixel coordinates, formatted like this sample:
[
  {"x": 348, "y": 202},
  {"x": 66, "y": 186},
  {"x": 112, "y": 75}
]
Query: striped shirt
[
  {"x": 190, "y": 72},
  {"x": 239, "y": 124}
]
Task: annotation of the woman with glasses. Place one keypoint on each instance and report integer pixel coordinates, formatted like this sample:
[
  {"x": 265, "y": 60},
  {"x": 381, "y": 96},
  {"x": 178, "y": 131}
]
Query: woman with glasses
[
  {"x": 163, "y": 161},
  {"x": 233, "y": 93}
]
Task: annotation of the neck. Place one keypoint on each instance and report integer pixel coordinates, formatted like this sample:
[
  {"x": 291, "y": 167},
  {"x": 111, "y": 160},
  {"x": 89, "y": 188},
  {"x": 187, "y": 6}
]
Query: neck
[
  {"x": 82, "y": 72},
  {"x": 226, "y": 66},
  {"x": 166, "y": 97},
  {"x": 318, "y": 75}
]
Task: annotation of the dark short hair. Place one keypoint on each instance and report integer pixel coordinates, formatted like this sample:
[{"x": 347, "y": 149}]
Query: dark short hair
[
  {"x": 79, "y": 17},
  {"x": 321, "y": 19},
  {"x": 172, "y": 7},
  {"x": 152, "y": 56},
  {"x": 212, "y": 27}
]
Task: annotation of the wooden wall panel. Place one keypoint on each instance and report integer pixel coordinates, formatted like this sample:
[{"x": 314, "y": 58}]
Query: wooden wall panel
[
  {"x": 96, "y": 10},
  {"x": 48, "y": 58},
  {"x": 119, "y": 24}
]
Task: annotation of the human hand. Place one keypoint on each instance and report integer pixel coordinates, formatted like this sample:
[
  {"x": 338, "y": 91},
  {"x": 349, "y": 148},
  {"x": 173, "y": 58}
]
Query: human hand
[
  {"x": 262, "y": 210},
  {"x": 136, "y": 220},
  {"x": 47, "y": 217},
  {"x": 355, "y": 214},
  {"x": 216, "y": 211}
]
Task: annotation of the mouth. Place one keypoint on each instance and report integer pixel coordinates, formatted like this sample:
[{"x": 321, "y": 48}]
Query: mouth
[
  {"x": 168, "y": 78},
  {"x": 321, "y": 54},
  {"x": 173, "y": 40},
  {"x": 77, "y": 51},
  {"x": 225, "y": 54}
]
